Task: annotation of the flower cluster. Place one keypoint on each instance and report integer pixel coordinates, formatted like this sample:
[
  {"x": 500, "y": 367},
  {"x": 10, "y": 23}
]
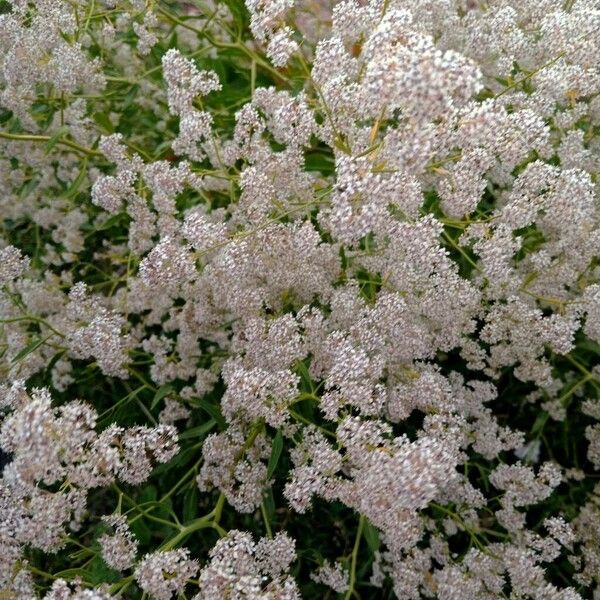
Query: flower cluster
[
  {"x": 59, "y": 445},
  {"x": 327, "y": 275}
]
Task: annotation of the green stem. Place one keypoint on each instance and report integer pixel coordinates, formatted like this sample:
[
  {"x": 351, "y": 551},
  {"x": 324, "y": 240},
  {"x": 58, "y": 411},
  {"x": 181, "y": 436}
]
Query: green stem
[
  {"x": 582, "y": 368},
  {"x": 181, "y": 481},
  {"x": 219, "y": 530},
  {"x": 302, "y": 419},
  {"x": 352, "y": 582},
  {"x": 545, "y": 65},
  {"x": 457, "y": 519},
  {"x": 226, "y": 45},
  {"x": 562, "y": 400},
  {"x": 144, "y": 512},
  {"x": 41, "y": 573},
  {"x": 196, "y": 525},
  {"x": 120, "y": 586},
  {"x": 265, "y": 517},
  {"x": 18, "y": 137},
  {"x": 218, "y": 511},
  {"x": 35, "y": 320},
  {"x": 462, "y": 252}
]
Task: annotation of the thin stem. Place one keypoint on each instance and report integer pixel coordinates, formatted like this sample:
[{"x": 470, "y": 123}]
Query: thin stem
[
  {"x": 218, "y": 511},
  {"x": 196, "y": 525},
  {"x": 592, "y": 378},
  {"x": 24, "y": 137},
  {"x": 144, "y": 512},
  {"x": 461, "y": 251},
  {"x": 352, "y": 582},
  {"x": 265, "y": 517},
  {"x": 239, "y": 45},
  {"x": 181, "y": 481},
  {"x": 302, "y": 419},
  {"x": 219, "y": 530},
  {"x": 562, "y": 400},
  {"x": 545, "y": 65},
  {"x": 41, "y": 573},
  {"x": 35, "y": 320},
  {"x": 120, "y": 586}
]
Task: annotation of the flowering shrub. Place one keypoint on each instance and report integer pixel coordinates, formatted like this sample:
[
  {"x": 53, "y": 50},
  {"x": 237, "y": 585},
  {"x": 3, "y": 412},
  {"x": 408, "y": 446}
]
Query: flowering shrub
[{"x": 299, "y": 299}]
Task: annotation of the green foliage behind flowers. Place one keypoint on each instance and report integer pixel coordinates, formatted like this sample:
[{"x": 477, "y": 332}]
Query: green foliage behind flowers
[{"x": 299, "y": 299}]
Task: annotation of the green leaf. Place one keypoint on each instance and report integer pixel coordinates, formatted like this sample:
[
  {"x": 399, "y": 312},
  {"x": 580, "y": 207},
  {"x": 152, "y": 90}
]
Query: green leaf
[
  {"x": 141, "y": 532},
  {"x": 5, "y": 115},
  {"x": 56, "y": 138},
  {"x": 29, "y": 187},
  {"x": 212, "y": 411},
  {"x": 589, "y": 345},
  {"x": 40, "y": 108},
  {"x": 53, "y": 361},
  {"x": 306, "y": 381},
  {"x": 74, "y": 187},
  {"x": 197, "y": 433},
  {"x": 104, "y": 122},
  {"x": 239, "y": 13},
  {"x": 112, "y": 220},
  {"x": 190, "y": 504},
  {"x": 179, "y": 459},
  {"x": 161, "y": 392},
  {"x": 275, "y": 454},
  {"x": 539, "y": 422},
  {"x": 67, "y": 574},
  {"x": 371, "y": 536},
  {"x": 164, "y": 509},
  {"x": 130, "y": 97},
  {"x": 269, "y": 502},
  {"x": 97, "y": 572},
  {"x": 32, "y": 347},
  {"x": 149, "y": 494},
  {"x": 320, "y": 162}
]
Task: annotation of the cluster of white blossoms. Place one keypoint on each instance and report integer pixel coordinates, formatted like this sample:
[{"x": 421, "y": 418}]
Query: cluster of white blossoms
[
  {"x": 57, "y": 458},
  {"x": 377, "y": 274},
  {"x": 120, "y": 548},
  {"x": 238, "y": 567}
]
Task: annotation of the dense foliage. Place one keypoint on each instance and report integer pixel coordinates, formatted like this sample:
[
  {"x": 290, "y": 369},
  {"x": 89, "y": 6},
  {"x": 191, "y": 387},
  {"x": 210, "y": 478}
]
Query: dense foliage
[{"x": 299, "y": 299}]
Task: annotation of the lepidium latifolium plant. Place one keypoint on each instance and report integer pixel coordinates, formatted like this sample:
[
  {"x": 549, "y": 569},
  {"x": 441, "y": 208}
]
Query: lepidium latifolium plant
[{"x": 299, "y": 299}]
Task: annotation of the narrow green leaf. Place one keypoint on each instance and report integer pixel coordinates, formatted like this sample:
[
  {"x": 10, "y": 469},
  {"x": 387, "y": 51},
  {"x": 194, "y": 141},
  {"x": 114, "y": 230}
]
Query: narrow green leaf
[
  {"x": 5, "y": 115},
  {"x": 305, "y": 378},
  {"x": 275, "y": 454},
  {"x": 68, "y": 574},
  {"x": 112, "y": 220},
  {"x": 148, "y": 494},
  {"x": 97, "y": 572},
  {"x": 30, "y": 348},
  {"x": 212, "y": 411},
  {"x": 141, "y": 532},
  {"x": 74, "y": 187},
  {"x": 239, "y": 13},
  {"x": 371, "y": 536},
  {"x": 539, "y": 423},
  {"x": 55, "y": 138},
  {"x": 104, "y": 122},
  {"x": 161, "y": 392},
  {"x": 196, "y": 433},
  {"x": 590, "y": 345},
  {"x": 130, "y": 97},
  {"x": 190, "y": 504},
  {"x": 53, "y": 362},
  {"x": 29, "y": 187},
  {"x": 269, "y": 503},
  {"x": 178, "y": 460}
]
